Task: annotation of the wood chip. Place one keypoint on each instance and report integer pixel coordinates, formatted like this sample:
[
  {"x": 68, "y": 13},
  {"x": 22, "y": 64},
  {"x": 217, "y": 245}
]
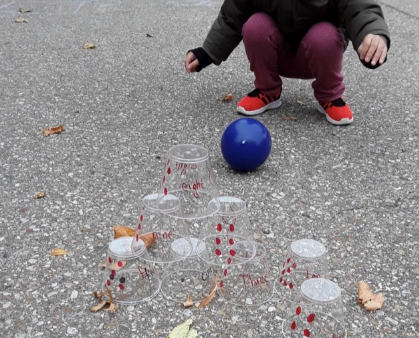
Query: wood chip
[
  {"x": 301, "y": 103},
  {"x": 98, "y": 307},
  {"x": 89, "y": 46},
  {"x": 25, "y": 10}
]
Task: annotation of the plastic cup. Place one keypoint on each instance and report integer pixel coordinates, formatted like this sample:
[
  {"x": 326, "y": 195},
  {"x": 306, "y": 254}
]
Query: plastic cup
[
  {"x": 317, "y": 311},
  {"x": 189, "y": 277},
  {"x": 188, "y": 175},
  {"x": 159, "y": 227},
  {"x": 130, "y": 279},
  {"x": 306, "y": 259},
  {"x": 250, "y": 283},
  {"x": 227, "y": 236}
]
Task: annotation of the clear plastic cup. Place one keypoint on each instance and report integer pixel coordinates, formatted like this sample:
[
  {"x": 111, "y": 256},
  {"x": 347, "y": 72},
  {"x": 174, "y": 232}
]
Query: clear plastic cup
[
  {"x": 158, "y": 228},
  {"x": 189, "y": 277},
  {"x": 305, "y": 259},
  {"x": 188, "y": 175},
  {"x": 317, "y": 311},
  {"x": 130, "y": 279},
  {"x": 249, "y": 283},
  {"x": 227, "y": 236}
]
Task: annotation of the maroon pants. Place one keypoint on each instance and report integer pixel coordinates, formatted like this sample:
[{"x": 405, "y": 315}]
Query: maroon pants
[{"x": 318, "y": 56}]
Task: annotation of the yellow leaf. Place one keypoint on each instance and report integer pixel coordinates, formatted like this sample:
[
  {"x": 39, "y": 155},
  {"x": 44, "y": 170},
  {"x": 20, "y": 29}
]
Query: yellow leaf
[
  {"x": 58, "y": 252},
  {"x": 183, "y": 331},
  {"x": 89, "y": 46}
]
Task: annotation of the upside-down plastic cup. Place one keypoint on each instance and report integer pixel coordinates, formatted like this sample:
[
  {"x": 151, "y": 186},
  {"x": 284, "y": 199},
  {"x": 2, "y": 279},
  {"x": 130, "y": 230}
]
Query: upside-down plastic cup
[
  {"x": 227, "y": 236},
  {"x": 249, "y": 283},
  {"x": 317, "y": 311},
  {"x": 129, "y": 278},
  {"x": 158, "y": 228},
  {"x": 189, "y": 277},
  {"x": 306, "y": 259},
  {"x": 188, "y": 175}
]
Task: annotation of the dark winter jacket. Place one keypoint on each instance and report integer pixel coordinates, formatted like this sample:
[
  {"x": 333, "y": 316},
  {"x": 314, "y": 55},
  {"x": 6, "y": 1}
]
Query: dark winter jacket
[{"x": 354, "y": 19}]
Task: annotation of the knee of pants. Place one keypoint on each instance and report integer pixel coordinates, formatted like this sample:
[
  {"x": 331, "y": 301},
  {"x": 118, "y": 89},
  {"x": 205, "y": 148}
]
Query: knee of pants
[
  {"x": 258, "y": 27},
  {"x": 323, "y": 39}
]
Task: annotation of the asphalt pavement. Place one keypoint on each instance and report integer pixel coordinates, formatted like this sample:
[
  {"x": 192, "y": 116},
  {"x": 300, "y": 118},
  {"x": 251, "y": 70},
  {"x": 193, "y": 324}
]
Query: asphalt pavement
[{"x": 124, "y": 103}]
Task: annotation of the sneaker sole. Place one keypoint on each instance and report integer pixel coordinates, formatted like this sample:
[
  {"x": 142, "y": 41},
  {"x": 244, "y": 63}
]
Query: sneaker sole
[
  {"x": 342, "y": 122},
  {"x": 272, "y": 105}
]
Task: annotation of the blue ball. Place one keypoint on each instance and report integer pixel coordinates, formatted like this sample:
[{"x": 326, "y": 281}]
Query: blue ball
[{"x": 246, "y": 144}]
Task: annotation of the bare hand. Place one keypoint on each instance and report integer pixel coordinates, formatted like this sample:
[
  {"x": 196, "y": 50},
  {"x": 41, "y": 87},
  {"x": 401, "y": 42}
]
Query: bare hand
[
  {"x": 191, "y": 63},
  {"x": 373, "y": 48}
]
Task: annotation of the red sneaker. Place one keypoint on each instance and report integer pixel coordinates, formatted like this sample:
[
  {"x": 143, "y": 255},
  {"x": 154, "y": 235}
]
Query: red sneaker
[
  {"x": 337, "y": 112},
  {"x": 255, "y": 103}
]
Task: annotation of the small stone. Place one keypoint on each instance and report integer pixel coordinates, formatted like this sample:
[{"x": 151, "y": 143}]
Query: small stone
[
  {"x": 271, "y": 309},
  {"x": 74, "y": 294},
  {"x": 72, "y": 330},
  {"x": 6, "y": 305}
]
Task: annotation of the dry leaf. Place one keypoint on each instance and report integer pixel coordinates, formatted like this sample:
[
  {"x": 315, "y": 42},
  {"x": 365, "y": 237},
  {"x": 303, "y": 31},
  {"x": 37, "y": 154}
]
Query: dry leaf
[
  {"x": 288, "y": 118},
  {"x": 41, "y": 194},
  {"x": 370, "y": 300},
  {"x": 117, "y": 266},
  {"x": 105, "y": 305},
  {"x": 89, "y": 46},
  {"x": 25, "y": 10},
  {"x": 98, "y": 307},
  {"x": 148, "y": 240},
  {"x": 21, "y": 20},
  {"x": 98, "y": 294},
  {"x": 148, "y": 35},
  {"x": 227, "y": 98},
  {"x": 211, "y": 295},
  {"x": 53, "y": 130},
  {"x": 58, "y": 252},
  {"x": 103, "y": 264},
  {"x": 188, "y": 302},
  {"x": 122, "y": 231}
]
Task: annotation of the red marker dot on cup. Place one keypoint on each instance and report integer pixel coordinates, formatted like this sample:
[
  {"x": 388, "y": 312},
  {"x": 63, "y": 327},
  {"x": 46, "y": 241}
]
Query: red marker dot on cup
[
  {"x": 169, "y": 171},
  {"x": 218, "y": 241},
  {"x": 293, "y": 325},
  {"x": 307, "y": 333},
  {"x": 219, "y": 227},
  {"x": 231, "y": 241},
  {"x": 218, "y": 252},
  {"x": 232, "y": 253},
  {"x": 310, "y": 317},
  {"x": 231, "y": 227},
  {"x": 298, "y": 311}
]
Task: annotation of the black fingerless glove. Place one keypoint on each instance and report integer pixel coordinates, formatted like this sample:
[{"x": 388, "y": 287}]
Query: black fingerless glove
[{"x": 202, "y": 56}]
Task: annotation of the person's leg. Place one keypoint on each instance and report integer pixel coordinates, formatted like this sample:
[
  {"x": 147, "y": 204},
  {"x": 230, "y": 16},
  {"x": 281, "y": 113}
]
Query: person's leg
[
  {"x": 262, "y": 40},
  {"x": 319, "y": 56}
]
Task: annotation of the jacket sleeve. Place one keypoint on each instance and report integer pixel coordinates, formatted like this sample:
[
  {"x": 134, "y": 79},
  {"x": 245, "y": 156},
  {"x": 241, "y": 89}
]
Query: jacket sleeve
[
  {"x": 226, "y": 31},
  {"x": 362, "y": 17}
]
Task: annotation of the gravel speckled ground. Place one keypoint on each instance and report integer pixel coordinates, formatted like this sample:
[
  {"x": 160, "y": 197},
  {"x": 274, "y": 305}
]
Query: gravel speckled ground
[{"x": 126, "y": 102}]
